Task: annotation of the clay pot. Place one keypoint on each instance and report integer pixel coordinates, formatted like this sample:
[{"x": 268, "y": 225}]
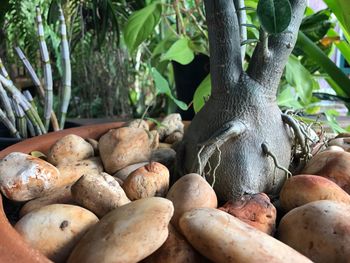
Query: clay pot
[{"x": 12, "y": 247}]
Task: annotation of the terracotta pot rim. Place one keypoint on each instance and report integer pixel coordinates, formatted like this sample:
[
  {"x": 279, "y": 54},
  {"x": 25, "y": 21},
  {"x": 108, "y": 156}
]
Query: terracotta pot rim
[{"x": 36, "y": 143}]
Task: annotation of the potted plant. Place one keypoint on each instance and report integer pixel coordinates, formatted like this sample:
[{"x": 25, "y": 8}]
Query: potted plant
[
  {"x": 240, "y": 128},
  {"x": 19, "y": 113}
]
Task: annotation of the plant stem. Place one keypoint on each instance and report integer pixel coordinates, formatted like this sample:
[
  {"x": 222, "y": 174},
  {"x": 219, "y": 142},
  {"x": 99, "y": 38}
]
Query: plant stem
[
  {"x": 47, "y": 69},
  {"x": 30, "y": 127},
  {"x": 3, "y": 70},
  {"x": 242, "y": 18},
  {"x": 195, "y": 21},
  {"x": 20, "y": 120},
  {"x": 37, "y": 84},
  {"x": 67, "y": 74},
  {"x": 5, "y": 102},
  {"x": 170, "y": 27},
  {"x": 29, "y": 97},
  {"x": 314, "y": 52},
  {"x": 197, "y": 2},
  {"x": 9, "y": 125},
  {"x": 179, "y": 20},
  {"x": 26, "y": 106}
]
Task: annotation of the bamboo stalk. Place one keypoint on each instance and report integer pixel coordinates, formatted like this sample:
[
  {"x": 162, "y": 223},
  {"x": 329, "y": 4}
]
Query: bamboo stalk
[
  {"x": 47, "y": 69},
  {"x": 29, "y": 97},
  {"x": 21, "y": 122},
  {"x": 26, "y": 106},
  {"x": 37, "y": 84},
  {"x": 242, "y": 18},
  {"x": 30, "y": 71},
  {"x": 3, "y": 70},
  {"x": 67, "y": 74},
  {"x": 9, "y": 125},
  {"x": 5, "y": 102},
  {"x": 30, "y": 127}
]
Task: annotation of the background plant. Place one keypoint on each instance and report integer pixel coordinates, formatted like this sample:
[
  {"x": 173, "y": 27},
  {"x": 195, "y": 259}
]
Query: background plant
[{"x": 92, "y": 26}]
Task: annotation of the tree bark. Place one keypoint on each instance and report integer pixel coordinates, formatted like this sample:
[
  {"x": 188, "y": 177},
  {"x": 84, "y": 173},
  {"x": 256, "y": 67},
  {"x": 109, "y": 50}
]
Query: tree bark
[
  {"x": 271, "y": 54},
  {"x": 225, "y": 54},
  {"x": 237, "y": 137}
]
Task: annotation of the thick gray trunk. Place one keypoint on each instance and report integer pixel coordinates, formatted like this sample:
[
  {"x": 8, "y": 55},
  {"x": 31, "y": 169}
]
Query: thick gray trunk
[
  {"x": 227, "y": 135},
  {"x": 225, "y": 55}
]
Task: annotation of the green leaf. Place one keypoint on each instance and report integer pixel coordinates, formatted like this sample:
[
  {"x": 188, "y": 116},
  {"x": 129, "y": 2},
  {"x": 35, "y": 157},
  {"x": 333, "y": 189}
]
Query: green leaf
[
  {"x": 332, "y": 120},
  {"x": 300, "y": 78},
  {"x": 274, "y": 15},
  {"x": 180, "y": 52},
  {"x": 202, "y": 94},
  {"x": 314, "y": 52},
  {"x": 342, "y": 11},
  {"x": 164, "y": 45},
  {"x": 162, "y": 87},
  {"x": 141, "y": 24},
  {"x": 344, "y": 48},
  {"x": 317, "y": 25},
  {"x": 287, "y": 98},
  {"x": 342, "y": 45},
  {"x": 38, "y": 154},
  {"x": 251, "y": 3}
]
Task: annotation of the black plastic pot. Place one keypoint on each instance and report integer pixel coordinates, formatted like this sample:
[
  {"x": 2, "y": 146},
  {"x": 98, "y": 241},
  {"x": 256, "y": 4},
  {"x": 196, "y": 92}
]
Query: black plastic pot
[
  {"x": 187, "y": 79},
  {"x": 5, "y": 137},
  {"x": 7, "y": 140}
]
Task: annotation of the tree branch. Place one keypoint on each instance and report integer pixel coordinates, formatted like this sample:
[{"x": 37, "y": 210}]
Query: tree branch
[
  {"x": 266, "y": 66},
  {"x": 224, "y": 44}
]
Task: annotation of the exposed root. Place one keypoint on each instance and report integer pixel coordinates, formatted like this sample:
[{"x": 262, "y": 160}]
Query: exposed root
[
  {"x": 269, "y": 153},
  {"x": 207, "y": 148},
  {"x": 216, "y": 167},
  {"x": 306, "y": 141},
  {"x": 199, "y": 158},
  {"x": 209, "y": 169},
  {"x": 299, "y": 135}
]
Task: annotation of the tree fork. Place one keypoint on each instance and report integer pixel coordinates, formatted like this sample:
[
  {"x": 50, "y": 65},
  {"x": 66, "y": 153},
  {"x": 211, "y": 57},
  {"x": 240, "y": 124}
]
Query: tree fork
[
  {"x": 242, "y": 113},
  {"x": 270, "y": 57}
]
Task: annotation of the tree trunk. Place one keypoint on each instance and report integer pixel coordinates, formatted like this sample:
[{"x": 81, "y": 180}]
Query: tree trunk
[{"x": 230, "y": 141}]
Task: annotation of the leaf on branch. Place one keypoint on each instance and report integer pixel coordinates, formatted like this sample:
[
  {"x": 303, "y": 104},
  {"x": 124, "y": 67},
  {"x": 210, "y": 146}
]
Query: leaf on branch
[
  {"x": 162, "y": 87},
  {"x": 141, "y": 24},
  {"x": 288, "y": 98},
  {"x": 274, "y": 15},
  {"x": 317, "y": 25},
  {"x": 331, "y": 116},
  {"x": 300, "y": 78},
  {"x": 202, "y": 94},
  {"x": 180, "y": 52},
  {"x": 342, "y": 11}
]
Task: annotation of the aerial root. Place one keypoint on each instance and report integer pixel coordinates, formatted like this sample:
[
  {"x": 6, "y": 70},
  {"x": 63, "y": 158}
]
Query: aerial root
[
  {"x": 200, "y": 161},
  {"x": 269, "y": 153},
  {"x": 298, "y": 133},
  {"x": 216, "y": 167},
  {"x": 207, "y": 148}
]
